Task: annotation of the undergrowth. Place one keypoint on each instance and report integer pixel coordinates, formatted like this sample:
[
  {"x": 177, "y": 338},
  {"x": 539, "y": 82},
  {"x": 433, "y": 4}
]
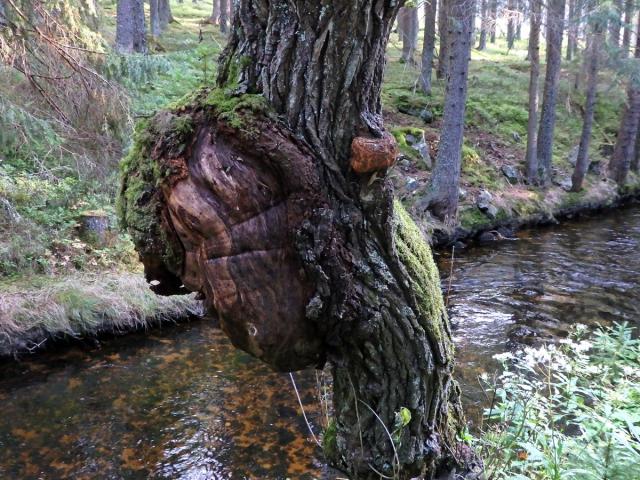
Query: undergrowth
[{"x": 566, "y": 412}]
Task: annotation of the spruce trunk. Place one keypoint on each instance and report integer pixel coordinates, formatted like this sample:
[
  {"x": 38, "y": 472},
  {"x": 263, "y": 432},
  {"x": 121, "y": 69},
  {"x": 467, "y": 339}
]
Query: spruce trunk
[
  {"x": 443, "y": 190},
  {"x": 555, "y": 27},
  {"x": 531, "y": 158},
  {"x": 428, "y": 45},
  {"x": 582, "y": 160}
]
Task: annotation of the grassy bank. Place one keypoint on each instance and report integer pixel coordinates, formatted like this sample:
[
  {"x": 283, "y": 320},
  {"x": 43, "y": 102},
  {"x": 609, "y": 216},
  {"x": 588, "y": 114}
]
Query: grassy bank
[{"x": 37, "y": 311}]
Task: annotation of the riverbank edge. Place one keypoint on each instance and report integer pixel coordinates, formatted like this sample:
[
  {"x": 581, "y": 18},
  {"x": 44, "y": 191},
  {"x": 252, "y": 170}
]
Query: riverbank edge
[
  {"x": 39, "y": 313},
  {"x": 475, "y": 226}
]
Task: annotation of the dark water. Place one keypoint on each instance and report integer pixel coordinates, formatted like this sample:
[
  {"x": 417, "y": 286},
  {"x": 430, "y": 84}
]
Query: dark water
[{"x": 181, "y": 403}]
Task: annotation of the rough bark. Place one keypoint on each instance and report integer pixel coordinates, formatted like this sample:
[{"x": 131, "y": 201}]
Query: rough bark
[
  {"x": 582, "y": 160},
  {"x": 629, "y": 8},
  {"x": 408, "y": 28},
  {"x": 428, "y": 45},
  {"x": 623, "y": 152},
  {"x": 2, "y": 13},
  {"x": 494, "y": 19},
  {"x": 443, "y": 29},
  {"x": 303, "y": 259},
  {"x": 484, "y": 25},
  {"x": 531, "y": 158},
  {"x": 130, "y": 27},
  {"x": 555, "y": 20},
  {"x": 442, "y": 193},
  {"x": 154, "y": 18},
  {"x": 166, "y": 17},
  {"x": 224, "y": 16}
]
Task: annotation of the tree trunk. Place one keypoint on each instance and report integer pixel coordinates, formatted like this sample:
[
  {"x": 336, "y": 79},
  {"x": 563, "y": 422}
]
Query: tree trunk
[
  {"x": 443, "y": 30},
  {"x": 215, "y": 13},
  {"x": 623, "y": 152},
  {"x": 511, "y": 23},
  {"x": 130, "y": 27},
  {"x": 166, "y": 17},
  {"x": 628, "y": 27},
  {"x": 276, "y": 201},
  {"x": 614, "y": 24},
  {"x": 635, "y": 162},
  {"x": 442, "y": 192},
  {"x": 531, "y": 158},
  {"x": 494, "y": 20},
  {"x": 582, "y": 160},
  {"x": 571, "y": 31},
  {"x": 428, "y": 45},
  {"x": 224, "y": 16},
  {"x": 2, "y": 13},
  {"x": 408, "y": 28},
  {"x": 519, "y": 11},
  {"x": 484, "y": 25},
  {"x": 555, "y": 20},
  {"x": 154, "y": 18}
]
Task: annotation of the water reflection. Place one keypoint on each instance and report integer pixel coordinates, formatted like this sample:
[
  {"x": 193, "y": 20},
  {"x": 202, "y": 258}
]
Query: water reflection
[
  {"x": 534, "y": 288},
  {"x": 182, "y": 403}
]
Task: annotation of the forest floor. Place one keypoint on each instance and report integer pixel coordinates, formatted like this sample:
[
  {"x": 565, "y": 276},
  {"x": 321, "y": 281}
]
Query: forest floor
[{"x": 48, "y": 273}]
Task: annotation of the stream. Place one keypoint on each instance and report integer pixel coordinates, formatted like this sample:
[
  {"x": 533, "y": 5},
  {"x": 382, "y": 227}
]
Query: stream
[{"x": 179, "y": 402}]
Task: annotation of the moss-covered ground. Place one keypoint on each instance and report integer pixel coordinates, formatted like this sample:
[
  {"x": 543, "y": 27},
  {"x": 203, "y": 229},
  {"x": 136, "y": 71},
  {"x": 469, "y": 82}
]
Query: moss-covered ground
[{"x": 495, "y": 138}]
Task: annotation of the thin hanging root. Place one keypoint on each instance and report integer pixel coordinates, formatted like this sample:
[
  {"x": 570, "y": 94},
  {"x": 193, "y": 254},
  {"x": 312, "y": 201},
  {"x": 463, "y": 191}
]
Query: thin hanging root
[{"x": 315, "y": 439}]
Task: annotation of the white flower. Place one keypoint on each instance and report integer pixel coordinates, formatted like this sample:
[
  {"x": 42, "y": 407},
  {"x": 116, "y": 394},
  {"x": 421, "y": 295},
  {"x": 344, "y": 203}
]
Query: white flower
[{"x": 503, "y": 357}]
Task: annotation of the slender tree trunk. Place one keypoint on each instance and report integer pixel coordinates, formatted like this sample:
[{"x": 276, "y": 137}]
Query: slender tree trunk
[
  {"x": 582, "y": 161},
  {"x": 443, "y": 31},
  {"x": 428, "y": 45},
  {"x": 555, "y": 20},
  {"x": 442, "y": 192},
  {"x": 629, "y": 8},
  {"x": 511, "y": 22},
  {"x": 408, "y": 28},
  {"x": 278, "y": 221},
  {"x": 154, "y": 18},
  {"x": 130, "y": 27},
  {"x": 224, "y": 16},
  {"x": 623, "y": 152},
  {"x": 484, "y": 25},
  {"x": 215, "y": 13},
  {"x": 635, "y": 162},
  {"x": 531, "y": 158},
  {"x": 166, "y": 17},
  {"x": 494, "y": 20},
  {"x": 520, "y": 11},
  {"x": 615, "y": 23},
  {"x": 571, "y": 31}
]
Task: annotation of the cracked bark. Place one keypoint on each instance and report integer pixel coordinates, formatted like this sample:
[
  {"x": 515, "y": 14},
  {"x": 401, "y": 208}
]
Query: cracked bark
[{"x": 303, "y": 259}]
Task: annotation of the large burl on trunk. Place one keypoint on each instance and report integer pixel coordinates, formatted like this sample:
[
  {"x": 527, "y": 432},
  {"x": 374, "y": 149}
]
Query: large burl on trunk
[{"x": 268, "y": 195}]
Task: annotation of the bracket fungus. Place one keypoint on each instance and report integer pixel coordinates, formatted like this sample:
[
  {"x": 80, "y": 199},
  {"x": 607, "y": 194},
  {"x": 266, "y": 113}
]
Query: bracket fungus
[{"x": 373, "y": 154}]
